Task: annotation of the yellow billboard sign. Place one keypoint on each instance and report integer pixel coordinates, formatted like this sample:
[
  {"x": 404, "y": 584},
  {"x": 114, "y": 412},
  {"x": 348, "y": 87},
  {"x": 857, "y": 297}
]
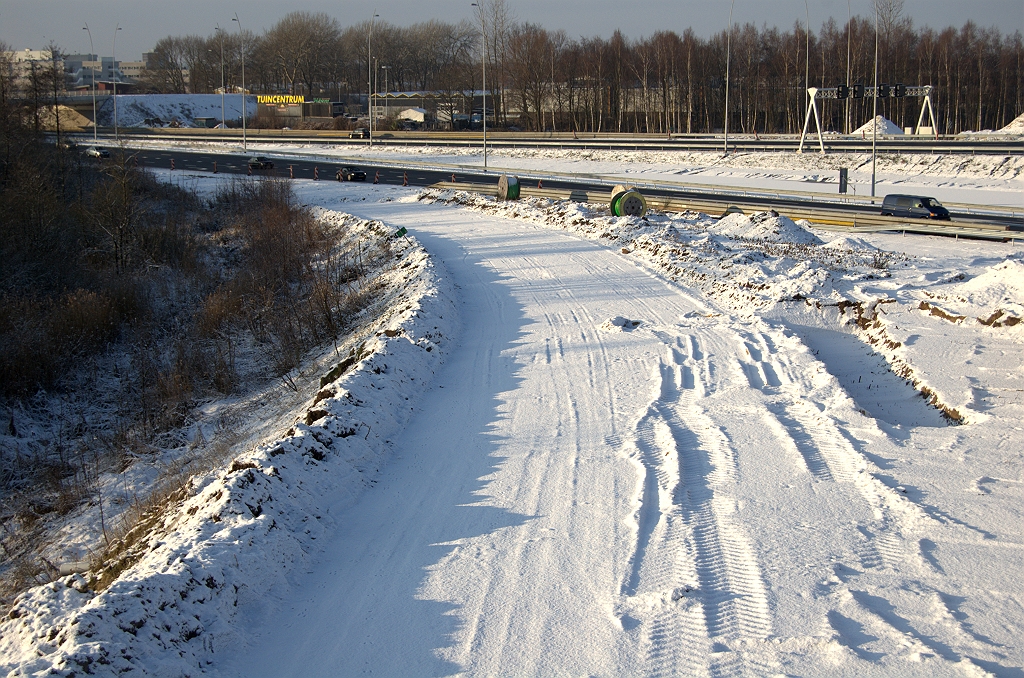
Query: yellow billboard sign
[{"x": 280, "y": 99}]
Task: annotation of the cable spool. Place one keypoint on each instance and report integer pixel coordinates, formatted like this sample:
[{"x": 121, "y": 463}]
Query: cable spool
[
  {"x": 628, "y": 202},
  {"x": 508, "y": 187}
]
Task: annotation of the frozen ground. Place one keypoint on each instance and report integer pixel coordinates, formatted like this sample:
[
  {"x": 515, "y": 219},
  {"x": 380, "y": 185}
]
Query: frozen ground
[{"x": 585, "y": 445}]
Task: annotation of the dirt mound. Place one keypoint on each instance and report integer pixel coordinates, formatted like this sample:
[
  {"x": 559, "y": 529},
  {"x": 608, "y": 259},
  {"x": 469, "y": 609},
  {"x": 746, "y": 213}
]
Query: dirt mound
[{"x": 70, "y": 119}]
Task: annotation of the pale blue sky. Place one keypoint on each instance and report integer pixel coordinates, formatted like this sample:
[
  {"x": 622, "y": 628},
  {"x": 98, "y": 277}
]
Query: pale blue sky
[{"x": 33, "y": 23}]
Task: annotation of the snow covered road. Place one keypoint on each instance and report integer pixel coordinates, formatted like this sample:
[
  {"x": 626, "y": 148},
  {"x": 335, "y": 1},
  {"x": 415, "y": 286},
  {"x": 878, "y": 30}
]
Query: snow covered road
[{"x": 695, "y": 495}]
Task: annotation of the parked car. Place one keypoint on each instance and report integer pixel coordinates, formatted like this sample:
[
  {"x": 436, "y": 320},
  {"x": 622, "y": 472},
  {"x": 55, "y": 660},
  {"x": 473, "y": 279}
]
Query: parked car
[
  {"x": 351, "y": 174},
  {"x": 97, "y": 152},
  {"x": 914, "y": 207},
  {"x": 258, "y": 162},
  {"x": 359, "y": 133}
]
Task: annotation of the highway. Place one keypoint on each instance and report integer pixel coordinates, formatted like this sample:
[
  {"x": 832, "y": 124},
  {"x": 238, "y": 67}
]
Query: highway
[
  {"x": 581, "y": 188},
  {"x": 946, "y": 145}
]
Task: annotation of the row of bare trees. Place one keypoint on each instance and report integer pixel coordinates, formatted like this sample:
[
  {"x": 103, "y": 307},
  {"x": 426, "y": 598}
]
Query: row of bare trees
[{"x": 544, "y": 79}]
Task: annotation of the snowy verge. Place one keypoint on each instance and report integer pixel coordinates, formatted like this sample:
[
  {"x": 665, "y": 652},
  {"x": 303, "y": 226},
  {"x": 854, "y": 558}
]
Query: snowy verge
[{"x": 233, "y": 535}]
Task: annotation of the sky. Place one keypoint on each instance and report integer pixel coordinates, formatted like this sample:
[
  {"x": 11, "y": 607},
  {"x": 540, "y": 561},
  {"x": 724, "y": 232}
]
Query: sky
[{"x": 34, "y": 23}]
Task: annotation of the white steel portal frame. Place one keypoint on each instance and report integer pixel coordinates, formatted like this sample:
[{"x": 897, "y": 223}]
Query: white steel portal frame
[{"x": 816, "y": 93}]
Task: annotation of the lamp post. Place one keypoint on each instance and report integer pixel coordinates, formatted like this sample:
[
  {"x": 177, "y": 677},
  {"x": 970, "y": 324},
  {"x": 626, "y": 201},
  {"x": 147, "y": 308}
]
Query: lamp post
[
  {"x": 92, "y": 52},
  {"x": 220, "y": 31},
  {"x": 483, "y": 68},
  {"x": 849, "y": 42},
  {"x": 807, "y": 54},
  {"x": 874, "y": 107},
  {"x": 369, "y": 77},
  {"x": 113, "y": 60},
  {"x": 385, "y": 69},
  {"x": 728, "y": 56},
  {"x": 241, "y": 34}
]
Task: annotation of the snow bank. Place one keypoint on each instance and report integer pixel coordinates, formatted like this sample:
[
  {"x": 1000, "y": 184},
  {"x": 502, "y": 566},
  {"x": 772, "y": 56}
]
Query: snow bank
[
  {"x": 884, "y": 126},
  {"x": 141, "y": 110},
  {"x": 239, "y": 533}
]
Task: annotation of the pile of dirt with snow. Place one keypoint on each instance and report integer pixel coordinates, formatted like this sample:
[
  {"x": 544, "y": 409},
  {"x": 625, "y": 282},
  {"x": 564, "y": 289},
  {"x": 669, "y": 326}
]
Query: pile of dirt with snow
[
  {"x": 769, "y": 226},
  {"x": 231, "y": 536},
  {"x": 995, "y": 297},
  {"x": 159, "y": 110},
  {"x": 1015, "y": 127},
  {"x": 850, "y": 243},
  {"x": 883, "y": 125}
]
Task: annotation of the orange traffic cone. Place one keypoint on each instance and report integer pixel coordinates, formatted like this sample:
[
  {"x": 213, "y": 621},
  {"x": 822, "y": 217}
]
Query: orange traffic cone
[
  {"x": 376, "y": 177},
  {"x": 405, "y": 178},
  {"x": 316, "y": 173}
]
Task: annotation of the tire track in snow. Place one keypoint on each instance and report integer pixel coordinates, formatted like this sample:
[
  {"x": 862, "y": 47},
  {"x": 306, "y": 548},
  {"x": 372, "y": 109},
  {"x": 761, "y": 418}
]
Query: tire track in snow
[{"x": 692, "y": 561}]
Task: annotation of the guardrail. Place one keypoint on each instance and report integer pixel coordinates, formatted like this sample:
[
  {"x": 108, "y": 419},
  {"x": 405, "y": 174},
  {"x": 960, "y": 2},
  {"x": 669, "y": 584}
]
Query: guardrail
[
  {"x": 1007, "y": 144},
  {"x": 821, "y": 218}
]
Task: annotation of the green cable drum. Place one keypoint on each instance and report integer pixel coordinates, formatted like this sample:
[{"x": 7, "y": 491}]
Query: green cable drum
[
  {"x": 508, "y": 187},
  {"x": 628, "y": 202}
]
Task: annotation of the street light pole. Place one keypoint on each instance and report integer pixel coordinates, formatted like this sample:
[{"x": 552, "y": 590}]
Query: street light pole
[
  {"x": 369, "y": 77},
  {"x": 92, "y": 51},
  {"x": 241, "y": 34},
  {"x": 849, "y": 75},
  {"x": 874, "y": 107},
  {"x": 728, "y": 56},
  {"x": 483, "y": 68},
  {"x": 385, "y": 69},
  {"x": 113, "y": 59},
  {"x": 807, "y": 54},
  {"x": 220, "y": 31}
]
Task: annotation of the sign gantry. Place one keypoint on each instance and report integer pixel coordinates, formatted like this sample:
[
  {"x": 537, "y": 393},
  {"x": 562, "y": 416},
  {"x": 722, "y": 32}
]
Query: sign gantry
[{"x": 883, "y": 91}]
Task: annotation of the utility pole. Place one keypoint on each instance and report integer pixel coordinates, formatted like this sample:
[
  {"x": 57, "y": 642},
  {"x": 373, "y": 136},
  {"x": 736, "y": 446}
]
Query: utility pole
[
  {"x": 220, "y": 31},
  {"x": 113, "y": 60},
  {"x": 849, "y": 75},
  {"x": 874, "y": 108},
  {"x": 241, "y": 34},
  {"x": 728, "y": 56},
  {"x": 483, "y": 67},
  {"x": 92, "y": 52},
  {"x": 369, "y": 76}
]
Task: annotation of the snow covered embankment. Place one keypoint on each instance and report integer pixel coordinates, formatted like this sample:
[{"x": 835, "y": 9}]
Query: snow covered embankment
[{"x": 242, "y": 530}]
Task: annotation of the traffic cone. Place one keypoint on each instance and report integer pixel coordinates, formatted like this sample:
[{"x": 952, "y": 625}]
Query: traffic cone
[
  {"x": 539, "y": 184},
  {"x": 172, "y": 164},
  {"x": 291, "y": 172},
  {"x": 214, "y": 166},
  {"x": 376, "y": 177},
  {"x": 250, "y": 169},
  {"x": 405, "y": 178},
  {"x": 316, "y": 173},
  {"x": 453, "y": 177}
]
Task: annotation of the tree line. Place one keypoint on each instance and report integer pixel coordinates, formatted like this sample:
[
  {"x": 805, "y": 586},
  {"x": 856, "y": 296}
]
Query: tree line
[{"x": 667, "y": 82}]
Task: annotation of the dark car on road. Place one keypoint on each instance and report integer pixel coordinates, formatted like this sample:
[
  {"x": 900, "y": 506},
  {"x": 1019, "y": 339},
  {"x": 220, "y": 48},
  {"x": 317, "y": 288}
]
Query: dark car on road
[
  {"x": 914, "y": 207},
  {"x": 359, "y": 133},
  {"x": 260, "y": 163},
  {"x": 351, "y": 174}
]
